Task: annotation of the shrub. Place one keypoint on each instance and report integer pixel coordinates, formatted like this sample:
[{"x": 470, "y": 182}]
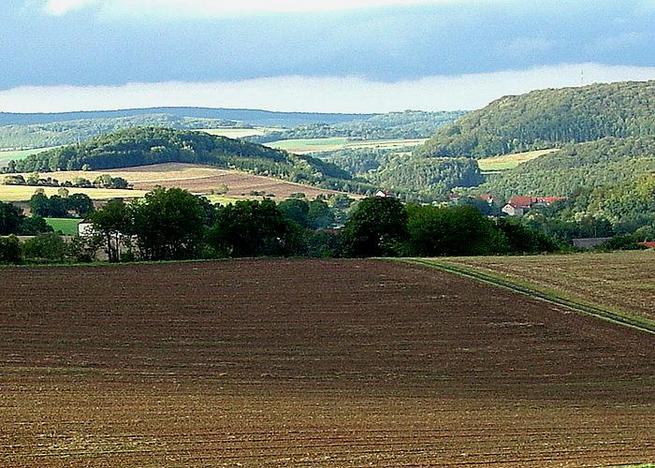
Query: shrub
[{"x": 10, "y": 251}]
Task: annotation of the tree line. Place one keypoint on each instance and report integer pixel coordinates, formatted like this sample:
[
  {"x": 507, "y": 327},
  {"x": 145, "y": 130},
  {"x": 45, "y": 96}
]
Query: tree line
[{"x": 173, "y": 224}]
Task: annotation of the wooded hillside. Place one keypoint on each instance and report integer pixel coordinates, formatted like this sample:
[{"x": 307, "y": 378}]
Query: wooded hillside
[
  {"x": 549, "y": 119},
  {"x": 149, "y": 145}
]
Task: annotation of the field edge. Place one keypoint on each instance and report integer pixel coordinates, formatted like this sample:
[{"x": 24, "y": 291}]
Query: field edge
[{"x": 545, "y": 294}]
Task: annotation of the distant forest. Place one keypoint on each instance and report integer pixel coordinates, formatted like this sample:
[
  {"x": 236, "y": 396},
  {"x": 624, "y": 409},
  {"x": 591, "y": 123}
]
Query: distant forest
[
  {"x": 259, "y": 118},
  {"x": 152, "y": 145},
  {"x": 391, "y": 126},
  {"x": 549, "y": 119}
]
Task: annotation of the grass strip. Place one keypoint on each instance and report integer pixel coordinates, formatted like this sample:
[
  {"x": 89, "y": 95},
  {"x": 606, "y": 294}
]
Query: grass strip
[{"x": 598, "y": 311}]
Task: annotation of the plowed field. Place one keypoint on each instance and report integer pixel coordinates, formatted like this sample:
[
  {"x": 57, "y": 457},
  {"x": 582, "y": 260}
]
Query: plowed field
[{"x": 310, "y": 363}]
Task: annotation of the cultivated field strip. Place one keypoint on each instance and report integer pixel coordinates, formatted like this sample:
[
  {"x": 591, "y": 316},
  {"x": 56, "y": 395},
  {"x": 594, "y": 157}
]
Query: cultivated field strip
[
  {"x": 622, "y": 280},
  {"x": 310, "y": 363}
]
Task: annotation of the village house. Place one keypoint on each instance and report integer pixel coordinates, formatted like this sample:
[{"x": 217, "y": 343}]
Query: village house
[{"x": 518, "y": 205}]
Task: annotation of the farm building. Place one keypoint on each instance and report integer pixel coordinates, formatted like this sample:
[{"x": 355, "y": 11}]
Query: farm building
[
  {"x": 590, "y": 242},
  {"x": 518, "y": 205},
  {"x": 513, "y": 210}
]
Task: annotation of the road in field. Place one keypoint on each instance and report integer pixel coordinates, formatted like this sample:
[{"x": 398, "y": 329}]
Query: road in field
[{"x": 310, "y": 363}]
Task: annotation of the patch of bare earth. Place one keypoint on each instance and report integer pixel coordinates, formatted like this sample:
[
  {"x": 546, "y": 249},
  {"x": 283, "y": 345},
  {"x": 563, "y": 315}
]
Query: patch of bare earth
[{"x": 310, "y": 363}]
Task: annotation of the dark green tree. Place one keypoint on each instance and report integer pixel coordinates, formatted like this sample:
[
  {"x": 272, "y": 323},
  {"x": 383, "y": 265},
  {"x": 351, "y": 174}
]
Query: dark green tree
[
  {"x": 320, "y": 216},
  {"x": 81, "y": 204},
  {"x": 40, "y": 204},
  {"x": 11, "y": 218},
  {"x": 169, "y": 224},
  {"x": 10, "y": 250},
  {"x": 113, "y": 221},
  {"x": 252, "y": 228},
  {"x": 296, "y": 210},
  {"x": 33, "y": 226},
  {"x": 49, "y": 247},
  {"x": 377, "y": 227},
  {"x": 458, "y": 230}
]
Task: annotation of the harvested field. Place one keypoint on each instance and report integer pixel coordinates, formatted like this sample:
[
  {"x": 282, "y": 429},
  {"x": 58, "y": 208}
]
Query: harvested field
[
  {"x": 199, "y": 179},
  {"x": 232, "y": 132},
  {"x": 367, "y": 363},
  {"x": 511, "y": 161},
  {"x": 318, "y": 145},
  {"x": 624, "y": 281},
  {"x": 22, "y": 193}
]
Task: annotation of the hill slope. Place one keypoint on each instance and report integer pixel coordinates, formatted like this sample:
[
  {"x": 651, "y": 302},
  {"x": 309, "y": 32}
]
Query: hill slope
[
  {"x": 549, "y": 119},
  {"x": 606, "y": 162},
  {"x": 149, "y": 145},
  {"x": 72, "y": 131}
]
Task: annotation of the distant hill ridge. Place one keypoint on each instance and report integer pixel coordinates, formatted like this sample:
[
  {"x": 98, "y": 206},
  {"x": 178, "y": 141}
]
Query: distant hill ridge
[
  {"x": 549, "y": 118},
  {"x": 255, "y": 117},
  {"x": 154, "y": 145}
]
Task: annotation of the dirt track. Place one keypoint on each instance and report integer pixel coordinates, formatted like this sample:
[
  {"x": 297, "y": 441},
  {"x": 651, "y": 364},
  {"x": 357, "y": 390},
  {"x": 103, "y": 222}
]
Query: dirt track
[{"x": 310, "y": 362}]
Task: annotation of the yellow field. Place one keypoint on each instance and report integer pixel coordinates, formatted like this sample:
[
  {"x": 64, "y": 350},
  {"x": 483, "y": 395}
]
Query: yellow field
[
  {"x": 198, "y": 179},
  {"x": 510, "y": 161},
  {"x": 304, "y": 146},
  {"x": 17, "y": 193},
  {"x": 230, "y": 132}
]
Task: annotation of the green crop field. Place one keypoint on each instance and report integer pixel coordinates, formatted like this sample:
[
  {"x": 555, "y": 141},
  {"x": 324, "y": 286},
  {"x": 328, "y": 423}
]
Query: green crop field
[
  {"x": 316, "y": 145},
  {"x": 66, "y": 226},
  {"x": 510, "y": 161},
  {"x": 9, "y": 155}
]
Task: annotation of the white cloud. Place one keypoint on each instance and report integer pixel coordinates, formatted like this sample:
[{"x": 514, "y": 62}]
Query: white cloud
[
  {"x": 61, "y": 7},
  {"x": 219, "y": 8},
  {"x": 331, "y": 94}
]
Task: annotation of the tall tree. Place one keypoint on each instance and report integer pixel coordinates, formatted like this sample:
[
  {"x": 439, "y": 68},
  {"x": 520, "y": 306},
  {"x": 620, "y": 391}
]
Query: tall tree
[
  {"x": 113, "y": 221},
  {"x": 377, "y": 227},
  {"x": 251, "y": 228},
  {"x": 169, "y": 224},
  {"x": 11, "y": 219}
]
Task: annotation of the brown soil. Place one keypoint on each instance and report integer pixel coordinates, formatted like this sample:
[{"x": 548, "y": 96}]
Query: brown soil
[{"x": 315, "y": 363}]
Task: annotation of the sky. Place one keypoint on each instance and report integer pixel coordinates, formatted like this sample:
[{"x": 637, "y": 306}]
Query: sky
[{"x": 313, "y": 55}]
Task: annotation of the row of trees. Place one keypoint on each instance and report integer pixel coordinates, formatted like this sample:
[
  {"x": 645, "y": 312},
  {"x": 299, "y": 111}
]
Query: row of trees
[
  {"x": 62, "y": 205},
  {"x": 172, "y": 224},
  {"x": 103, "y": 181},
  {"x": 386, "y": 227}
]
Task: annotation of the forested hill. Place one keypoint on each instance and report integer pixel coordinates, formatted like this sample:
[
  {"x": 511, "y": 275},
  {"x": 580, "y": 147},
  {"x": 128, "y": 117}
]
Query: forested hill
[
  {"x": 549, "y": 119},
  {"x": 151, "y": 145},
  {"x": 249, "y": 116},
  {"x": 604, "y": 163}
]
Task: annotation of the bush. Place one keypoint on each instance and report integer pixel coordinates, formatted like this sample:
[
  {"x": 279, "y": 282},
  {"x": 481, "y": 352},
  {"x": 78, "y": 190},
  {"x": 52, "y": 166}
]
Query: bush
[
  {"x": 620, "y": 243},
  {"x": 49, "y": 247},
  {"x": 10, "y": 251},
  {"x": 84, "y": 249}
]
